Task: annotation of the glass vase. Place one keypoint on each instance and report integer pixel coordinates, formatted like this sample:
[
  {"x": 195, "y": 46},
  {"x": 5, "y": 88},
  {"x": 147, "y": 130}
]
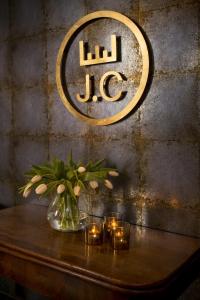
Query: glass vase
[{"x": 64, "y": 215}]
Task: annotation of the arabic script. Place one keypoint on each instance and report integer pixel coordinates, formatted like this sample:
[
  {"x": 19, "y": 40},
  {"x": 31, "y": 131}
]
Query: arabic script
[{"x": 87, "y": 59}]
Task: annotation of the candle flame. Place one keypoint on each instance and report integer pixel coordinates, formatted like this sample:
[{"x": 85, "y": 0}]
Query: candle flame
[
  {"x": 93, "y": 230},
  {"x": 118, "y": 234},
  {"x": 113, "y": 224}
]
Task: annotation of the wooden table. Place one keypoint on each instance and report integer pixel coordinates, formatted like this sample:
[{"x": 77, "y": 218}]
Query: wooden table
[{"x": 158, "y": 264}]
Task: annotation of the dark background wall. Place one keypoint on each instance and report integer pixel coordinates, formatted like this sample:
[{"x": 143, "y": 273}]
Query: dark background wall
[{"x": 157, "y": 148}]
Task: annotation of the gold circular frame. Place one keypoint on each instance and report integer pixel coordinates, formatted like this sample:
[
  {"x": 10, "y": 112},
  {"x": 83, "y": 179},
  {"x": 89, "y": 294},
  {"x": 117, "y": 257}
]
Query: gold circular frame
[{"x": 145, "y": 67}]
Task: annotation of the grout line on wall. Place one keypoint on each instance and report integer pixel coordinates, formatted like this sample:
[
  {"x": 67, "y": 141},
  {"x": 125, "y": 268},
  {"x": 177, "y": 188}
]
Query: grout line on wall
[
  {"x": 137, "y": 138},
  {"x": 99, "y": 138},
  {"x": 64, "y": 29},
  {"x": 33, "y": 35},
  {"x": 157, "y": 74},
  {"x": 178, "y": 4},
  {"x": 45, "y": 18},
  {"x": 12, "y": 133},
  {"x": 198, "y": 95}
]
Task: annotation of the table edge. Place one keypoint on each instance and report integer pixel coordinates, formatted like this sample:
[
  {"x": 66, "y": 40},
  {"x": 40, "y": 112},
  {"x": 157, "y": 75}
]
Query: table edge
[{"x": 96, "y": 278}]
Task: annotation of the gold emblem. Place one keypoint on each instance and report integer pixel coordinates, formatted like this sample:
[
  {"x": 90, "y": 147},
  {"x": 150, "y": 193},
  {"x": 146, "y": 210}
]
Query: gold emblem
[
  {"x": 103, "y": 83},
  {"x": 106, "y": 58},
  {"x": 104, "y": 78},
  {"x": 89, "y": 58}
]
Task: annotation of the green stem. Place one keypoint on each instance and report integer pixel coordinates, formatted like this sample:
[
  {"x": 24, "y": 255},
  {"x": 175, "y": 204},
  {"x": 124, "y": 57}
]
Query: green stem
[
  {"x": 63, "y": 208},
  {"x": 69, "y": 212}
]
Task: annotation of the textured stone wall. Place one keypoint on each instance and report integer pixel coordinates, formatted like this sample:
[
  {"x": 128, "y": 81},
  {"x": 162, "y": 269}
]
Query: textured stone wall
[{"x": 157, "y": 147}]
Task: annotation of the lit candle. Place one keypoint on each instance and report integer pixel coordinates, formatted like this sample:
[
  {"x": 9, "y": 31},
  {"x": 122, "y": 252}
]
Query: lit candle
[
  {"x": 110, "y": 224},
  {"x": 93, "y": 234},
  {"x": 113, "y": 225},
  {"x": 121, "y": 236}
]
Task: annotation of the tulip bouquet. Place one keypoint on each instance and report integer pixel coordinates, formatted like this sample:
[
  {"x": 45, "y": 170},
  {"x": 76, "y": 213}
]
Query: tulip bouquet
[{"x": 66, "y": 181}]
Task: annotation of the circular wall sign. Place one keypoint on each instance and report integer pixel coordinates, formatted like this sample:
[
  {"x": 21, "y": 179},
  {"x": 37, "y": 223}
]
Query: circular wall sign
[{"x": 60, "y": 62}]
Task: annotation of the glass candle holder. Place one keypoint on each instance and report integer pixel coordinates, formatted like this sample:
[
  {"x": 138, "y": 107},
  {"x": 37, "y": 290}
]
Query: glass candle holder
[
  {"x": 94, "y": 233},
  {"x": 121, "y": 236},
  {"x": 110, "y": 223}
]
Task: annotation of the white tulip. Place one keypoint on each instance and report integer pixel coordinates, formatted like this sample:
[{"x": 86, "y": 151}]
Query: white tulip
[
  {"x": 113, "y": 173},
  {"x": 77, "y": 190},
  {"x": 28, "y": 186},
  {"x": 27, "y": 189},
  {"x": 26, "y": 193},
  {"x": 36, "y": 178},
  {"x": 108, "y": 184},
  {"x": 60, "y": 188},
  {"x": 41, "y": 189},
  {"x": 81, "y": 169},
  {"x": 94, "y": 184}
]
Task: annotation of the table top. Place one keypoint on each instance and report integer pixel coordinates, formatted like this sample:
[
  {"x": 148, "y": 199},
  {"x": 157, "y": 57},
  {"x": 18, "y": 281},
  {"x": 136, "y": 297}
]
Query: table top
[{"x": 154, "y": 256}]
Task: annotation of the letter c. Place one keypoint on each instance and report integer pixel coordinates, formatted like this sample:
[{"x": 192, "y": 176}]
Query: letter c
[{"x": 102, "y": 84}]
